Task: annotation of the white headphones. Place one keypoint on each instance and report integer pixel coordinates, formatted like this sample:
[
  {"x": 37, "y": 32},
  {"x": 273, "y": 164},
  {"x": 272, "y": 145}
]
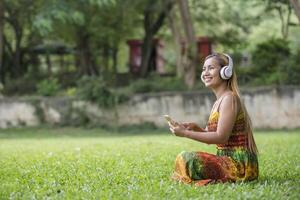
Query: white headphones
[{"x": 226, "y": 71}]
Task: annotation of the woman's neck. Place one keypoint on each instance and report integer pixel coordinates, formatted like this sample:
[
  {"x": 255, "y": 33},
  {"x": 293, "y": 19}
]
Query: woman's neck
[{"x": 220, "y": 90}]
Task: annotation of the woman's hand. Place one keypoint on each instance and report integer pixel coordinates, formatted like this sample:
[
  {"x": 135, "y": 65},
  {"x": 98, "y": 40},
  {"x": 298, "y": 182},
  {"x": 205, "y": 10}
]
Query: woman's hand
[
  {"x": 192, "y": 126},
  {"x": 177, "y": 129},
  {"x": 189, "y": 125}
]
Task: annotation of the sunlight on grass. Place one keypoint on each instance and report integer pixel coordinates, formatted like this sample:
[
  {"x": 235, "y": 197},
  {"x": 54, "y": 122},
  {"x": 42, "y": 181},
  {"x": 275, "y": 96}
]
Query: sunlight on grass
[{"x": 97, "y": 164}]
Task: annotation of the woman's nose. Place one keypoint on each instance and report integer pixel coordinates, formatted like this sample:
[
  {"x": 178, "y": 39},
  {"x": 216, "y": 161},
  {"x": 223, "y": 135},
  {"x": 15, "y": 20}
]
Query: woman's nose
[{"x": 205, "y": 72}]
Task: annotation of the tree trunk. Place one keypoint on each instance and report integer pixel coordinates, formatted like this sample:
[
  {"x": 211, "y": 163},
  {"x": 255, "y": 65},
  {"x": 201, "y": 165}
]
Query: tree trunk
[
  {"x": 49, "y": 64},
  {"x": 115, "y": 63},
  {"x": 62, "y": 63},
  {"x": 17, "y": 56},
  {"x": 296, "y": 6},
  {"x": 8, "y": 54},
  {"x": 2, "y": 76},
  {"x": 286, "y": 32},
  {"x": 191, "y": 58},
  {"x": 147, "y": 47},
  {"x": 284, "y": 23},
  {"x": 86, "y": 64},
  {"x": 35, "y": 64},
  {"x": 115, "y": 59},
  {"x": 105, "y": 58},
  {"x": 151, "y": 27},
  {"x": 177, "y": 37}
]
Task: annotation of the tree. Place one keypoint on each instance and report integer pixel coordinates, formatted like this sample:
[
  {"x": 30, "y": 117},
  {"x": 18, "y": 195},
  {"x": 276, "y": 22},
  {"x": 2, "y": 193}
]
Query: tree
[
  {"x": 18, "y": 34},
  {"x": 96, "y": 28},
  {"x": 177, "y": 38},
  {"x": 283, "y": 8},
  {"x": 296, "y": 7},
  {"x": 224, "y": 23},
  {"x": 155, "y": 13},
  {"x": 191, "y": 57},
  {"x": 71, "y": 21}
]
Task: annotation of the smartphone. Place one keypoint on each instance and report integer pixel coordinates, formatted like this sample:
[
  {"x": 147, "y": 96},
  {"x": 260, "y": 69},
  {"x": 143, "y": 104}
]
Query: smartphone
[{"x": 168, "y": 118}]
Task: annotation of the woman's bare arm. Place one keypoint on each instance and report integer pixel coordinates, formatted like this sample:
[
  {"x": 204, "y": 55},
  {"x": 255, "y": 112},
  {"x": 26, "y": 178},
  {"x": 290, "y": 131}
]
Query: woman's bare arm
[{"x": 227, "y": 116}]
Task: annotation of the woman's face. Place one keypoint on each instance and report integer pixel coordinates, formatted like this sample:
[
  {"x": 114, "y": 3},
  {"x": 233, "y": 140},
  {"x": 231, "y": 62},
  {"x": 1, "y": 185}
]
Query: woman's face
[{"x": 211, "y": 73}]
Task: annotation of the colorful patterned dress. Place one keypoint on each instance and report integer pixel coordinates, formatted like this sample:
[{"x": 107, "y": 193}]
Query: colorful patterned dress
[{"x": 233, "y": 161}]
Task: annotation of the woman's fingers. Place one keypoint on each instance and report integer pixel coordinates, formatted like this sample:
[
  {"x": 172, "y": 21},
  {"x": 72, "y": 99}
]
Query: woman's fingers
[
  {"x": 186, "y": 124},
  {"x": 172, "y": 130}
]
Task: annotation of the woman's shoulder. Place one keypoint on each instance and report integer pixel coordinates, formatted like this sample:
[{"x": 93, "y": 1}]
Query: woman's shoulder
[
  {"x": 230, "y": 101},
  {"x": 230, "y": 95}
]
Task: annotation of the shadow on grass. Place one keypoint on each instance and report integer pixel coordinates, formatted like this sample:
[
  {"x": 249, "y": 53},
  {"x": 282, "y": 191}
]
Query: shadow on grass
[
  {"x": 78, "y": 132},
  {"x": 146, "y": 129}
]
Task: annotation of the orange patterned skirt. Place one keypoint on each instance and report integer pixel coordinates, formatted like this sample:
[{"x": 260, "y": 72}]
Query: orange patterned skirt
[{"x": 228, "y": 165}]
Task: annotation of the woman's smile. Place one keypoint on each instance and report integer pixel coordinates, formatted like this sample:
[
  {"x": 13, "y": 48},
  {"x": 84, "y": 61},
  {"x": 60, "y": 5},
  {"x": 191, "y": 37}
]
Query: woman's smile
[{"x": 207, "y": 79}]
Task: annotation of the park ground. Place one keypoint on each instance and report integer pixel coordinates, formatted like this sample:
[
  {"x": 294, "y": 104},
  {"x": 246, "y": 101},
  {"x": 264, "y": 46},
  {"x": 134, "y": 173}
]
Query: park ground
[{"x": 78, "y": 163}]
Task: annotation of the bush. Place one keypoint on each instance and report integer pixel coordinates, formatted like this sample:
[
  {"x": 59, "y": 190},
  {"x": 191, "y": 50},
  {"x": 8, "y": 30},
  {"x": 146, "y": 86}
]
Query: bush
[
  {"x": 48, "y": 87},
  {"x": 292, "y": 70},
  {"x": 71, "y": 92},
  {"x": 96, "y": 90},
  {"x": 157, "y": 84},
  {"x": 19, "y": 86},
  {"x": 275, "y": 64},
  {"x": 270, "y": 59},
  {"x": 245, "y": 75}
]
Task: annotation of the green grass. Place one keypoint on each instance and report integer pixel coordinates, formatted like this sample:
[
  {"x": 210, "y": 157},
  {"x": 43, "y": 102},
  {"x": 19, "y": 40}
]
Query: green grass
[{"x": 67, "y": 163}]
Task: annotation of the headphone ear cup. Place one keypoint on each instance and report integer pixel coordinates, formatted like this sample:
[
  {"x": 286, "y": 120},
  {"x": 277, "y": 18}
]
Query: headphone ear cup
[{"x": 223, "y": 73}]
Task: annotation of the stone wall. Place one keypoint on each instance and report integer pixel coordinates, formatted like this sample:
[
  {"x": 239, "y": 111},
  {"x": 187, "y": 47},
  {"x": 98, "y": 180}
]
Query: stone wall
[{"x": 268, "y": 107}]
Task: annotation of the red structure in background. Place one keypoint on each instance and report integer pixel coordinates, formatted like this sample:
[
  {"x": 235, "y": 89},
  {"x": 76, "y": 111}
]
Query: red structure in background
[
  {"x": 135, "y": 56},
  {"x": 204, "y": 48}
]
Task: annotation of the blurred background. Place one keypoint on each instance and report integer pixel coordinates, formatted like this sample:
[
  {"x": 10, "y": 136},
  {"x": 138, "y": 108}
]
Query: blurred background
[{"x": 108, "y": 51}]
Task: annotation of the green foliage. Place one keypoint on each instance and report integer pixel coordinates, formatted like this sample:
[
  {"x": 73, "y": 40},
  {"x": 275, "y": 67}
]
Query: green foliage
[
  {"x": 98, "y": 30},
  {"x": 73, "y": 163},
  {"x": 92, "y": 26},
  {"x": 244, "y": 75},
  {"x": 157, "y": 84},
  {"x": 269, "y": 54},
  {"x": 270, "y": 59},
  {"x": 19, "y": 36},
  {"x": 94, "y": 89},
  {"x": 224, "y": 22},
  {"x": 292, "y": 70},
  {"x": 71, "y": 92},
  {"x": 21, "y": 86},
  {"x": 48, "y": 87}
]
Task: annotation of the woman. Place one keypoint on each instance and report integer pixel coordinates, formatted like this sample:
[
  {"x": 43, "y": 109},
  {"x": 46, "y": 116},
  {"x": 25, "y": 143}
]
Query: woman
[{"x": 229, "y": 127}]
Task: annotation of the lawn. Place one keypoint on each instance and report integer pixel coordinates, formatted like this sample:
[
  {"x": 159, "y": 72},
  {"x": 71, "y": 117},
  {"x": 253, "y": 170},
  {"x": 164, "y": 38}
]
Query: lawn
[{"x": 73, "y": 163}]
